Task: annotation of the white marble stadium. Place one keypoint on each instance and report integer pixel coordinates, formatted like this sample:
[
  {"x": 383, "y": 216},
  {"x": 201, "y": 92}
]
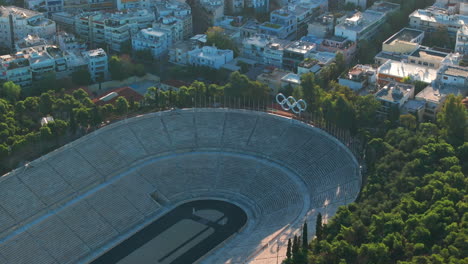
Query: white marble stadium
[{"x": 75, "y": 203}]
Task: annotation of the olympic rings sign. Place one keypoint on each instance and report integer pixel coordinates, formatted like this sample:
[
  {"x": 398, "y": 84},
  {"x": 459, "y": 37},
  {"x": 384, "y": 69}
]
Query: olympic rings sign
[{"x": 290, "y": 103}]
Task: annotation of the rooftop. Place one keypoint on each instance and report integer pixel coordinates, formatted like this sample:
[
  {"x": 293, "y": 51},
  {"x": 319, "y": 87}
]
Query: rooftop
[
  {"x": 153, "y": 32},
  {"x": 414, "y": 105},
  {"x": 291, "y": 78},
  {"x": 394, "y": 92},
  {"x": 276, "y": 74},
  {"x": 439, "y": 15},
  {"x": 271, "y": 25},
  {"x": 209, "y": 52},
  {"x": 422, "y": 52},
  {"x": 360, "y": 21},
  {"x": 18, "y": 12},
  {"x": 402, "y": 69},
  {"x": 433, "y": 94},
  {"x": 301, "y": 47},
  {"x": 323, "y": 57},
  {"x": 384, "y": 7},
  {"x": 111, "y": 96},
  {"x": 406, "y": 35},
  {"x": 257, "y": 40},
  {"x": 457, "y": 71},
  {"x": 95, "y": 53}
]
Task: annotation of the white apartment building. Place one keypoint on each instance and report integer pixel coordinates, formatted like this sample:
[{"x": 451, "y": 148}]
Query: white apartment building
[
  {"x": 112, "y": 29},
  {"x": 273, "y": 54},
  {"x": 130, "y": 4},
  {"x": 16, "y": 68},
  {"x": 254, "y": 47},
  {"x": 451, "y": 79},
  {"x": 393, "y": 95},
  {"x": 157, "y": 41},
  {"x": 432, "y": 18},
  {"x": 173, "y": 26},
  {"x": 174, "y": 12},
  {"x": 452, "y": 75},
  {"x": 30, "y": 41},
  {"x": 209, "y": 57},
  {"x": 17, "y": 23},
  {"x": 362, "y": 25},
  {"x": 68, "y": 41},
  {"x": 32, "y": 64},
  {"x": 97, "y": 64},
  {"x": 461, "y": 44},
  {"x": 207, "y": 13}
]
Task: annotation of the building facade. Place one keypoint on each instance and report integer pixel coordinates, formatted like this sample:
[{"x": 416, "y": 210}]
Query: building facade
[
  {"x": 209, "y": 57},
  {"x": 17, "y": 23}
]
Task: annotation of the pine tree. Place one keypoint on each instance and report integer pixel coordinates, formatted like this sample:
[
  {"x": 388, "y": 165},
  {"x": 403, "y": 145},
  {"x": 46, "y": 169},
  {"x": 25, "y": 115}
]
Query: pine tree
[
  {"x": 318, "y": 227},
  {"x": 295, "y": 248},
  {"x": 305, "y": 242},
  {"x": 288, "y": 251}
]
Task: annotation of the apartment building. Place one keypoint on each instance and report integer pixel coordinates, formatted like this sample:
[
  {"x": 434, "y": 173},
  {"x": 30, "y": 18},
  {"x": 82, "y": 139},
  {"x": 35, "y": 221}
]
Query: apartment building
[
  {"x": 324, "y": 25},
  {"x": 362, "y": 25},
  {"x": 393, "y": 96},
  {"x": 207, "y": 13},
  {"x": 359, "y": 77},
  {"x": 209, "y": 57},
  {"x": 396, "y": 71},
  {"x": 68, "y": 41},
  {"x": 254, "y": 47},
  {"x": 16, "y": 68},
  {"x": 274, "y": 52},
  {"x": 112, "y": 29},
  {"x": 17, "y": 23},
  {"x": 97, "y": 64},
  {"x": 172, "y": 12},
  {"x": 157, "y": 41},
  {"x": 295, "y": 53},
  {"x": 461, "y": 44},
  {"x": 342, "y": 45},
  {"x": 451, "y": 79},
  {"x": 30, "y": 41},
  {"x": 33, "y": 64},
  {"x": 433, "y": 18}
]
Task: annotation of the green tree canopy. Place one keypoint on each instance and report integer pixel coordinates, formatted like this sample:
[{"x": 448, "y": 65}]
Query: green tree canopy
[{"x": 10, "y": 91}]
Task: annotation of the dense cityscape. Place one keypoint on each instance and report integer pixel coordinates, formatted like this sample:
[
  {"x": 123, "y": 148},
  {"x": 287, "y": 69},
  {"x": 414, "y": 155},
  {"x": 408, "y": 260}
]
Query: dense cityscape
[{"x": 337, "y": 127}]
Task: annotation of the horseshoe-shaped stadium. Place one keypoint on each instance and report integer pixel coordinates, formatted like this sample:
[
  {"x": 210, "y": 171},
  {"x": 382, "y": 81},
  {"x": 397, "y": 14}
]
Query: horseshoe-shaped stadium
[{"x": 81, "y": 201}]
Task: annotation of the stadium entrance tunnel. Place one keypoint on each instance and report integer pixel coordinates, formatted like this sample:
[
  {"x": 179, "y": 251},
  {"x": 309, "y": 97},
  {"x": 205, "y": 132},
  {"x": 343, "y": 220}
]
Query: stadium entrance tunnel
[{"x": 183, "y": 235}]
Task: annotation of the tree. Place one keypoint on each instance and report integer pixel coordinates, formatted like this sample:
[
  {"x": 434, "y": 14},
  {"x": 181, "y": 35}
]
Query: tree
[
  {"x": 305, "y": 241},
  {"x": 288, "y": 251},
  {"x": 117, "y": 69},
  {"x": 47, "y": 100},
  {"x": 453, "y": 119},
  {"x": 216, "y": 36},
  {"x": 409, "y": 121},
  {"x": 46, "y": 83},
  {"x": 11, "y": 91},
  {"x": 144, "y": 55},
  {"x": 45, "y": 132},
  {"x": 312, "y": 92},
  {"x": 295, "y": 248},
  {"x": 82, "y": 77},
  {"x": 318, "y": 227},
  {"x": 81, "y": 115},
  {"x": 340, "y": 62},
  {"x": 121, "y": 105}
]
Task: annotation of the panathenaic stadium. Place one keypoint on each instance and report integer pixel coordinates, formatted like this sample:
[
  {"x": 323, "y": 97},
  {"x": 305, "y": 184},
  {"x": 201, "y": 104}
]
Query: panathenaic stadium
[{"x": 79, "y": 202}]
